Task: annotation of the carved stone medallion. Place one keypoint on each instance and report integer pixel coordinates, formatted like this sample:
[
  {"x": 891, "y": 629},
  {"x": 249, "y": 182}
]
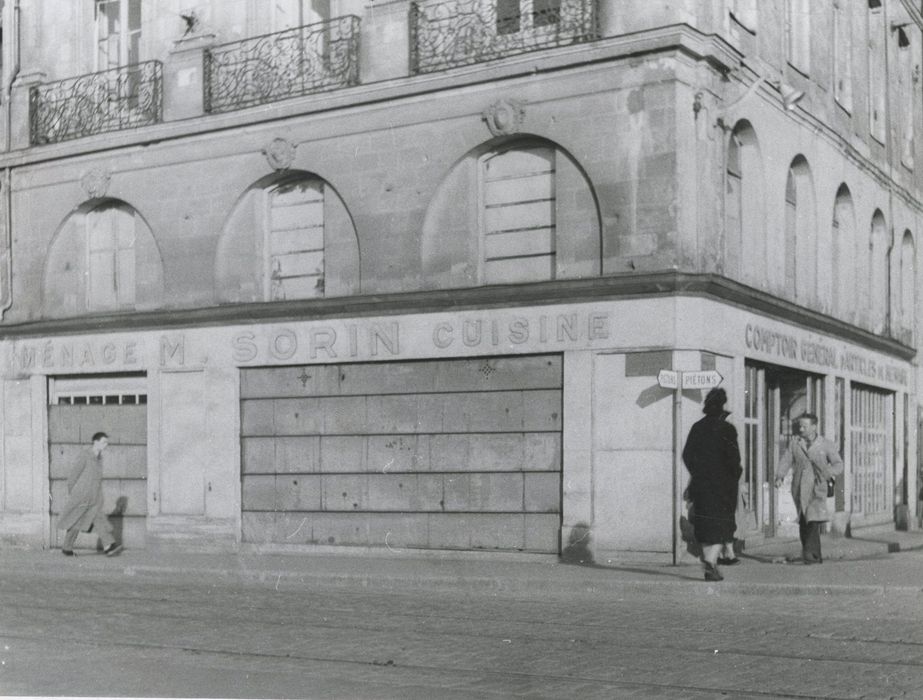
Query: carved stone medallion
[
  {"x": 280, "y": 154},
  {"x": 95, "y": 183},
  {"x": 504, "y": 117}
]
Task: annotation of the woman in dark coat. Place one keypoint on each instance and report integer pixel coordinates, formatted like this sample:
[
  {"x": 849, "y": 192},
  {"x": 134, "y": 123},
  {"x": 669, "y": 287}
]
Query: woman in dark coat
[{"x": 712, "y": 457}]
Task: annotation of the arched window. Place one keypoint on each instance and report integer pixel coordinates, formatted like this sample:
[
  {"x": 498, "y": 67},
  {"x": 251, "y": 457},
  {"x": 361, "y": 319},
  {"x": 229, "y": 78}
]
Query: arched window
[
  {"x": 289, "y": 238},
  {"x": 518, "y": 216},
  {"x": 878, "y": 278},
  {"x": 294, "y": 240},
  {"x": 745, "y": 244},
  {"x": 110, "y": 257},
  {"x": 103, "y": 258},
  {"x": 800, "y": 241},
  {"x": 908, "y": 288},
  {"x": 512, "y": 211},
  {"x": 733, "y": 205},
  {"x": 844, "y": 255}
]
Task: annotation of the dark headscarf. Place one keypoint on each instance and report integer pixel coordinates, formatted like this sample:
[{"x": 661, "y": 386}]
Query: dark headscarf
[{"x": 714, "y": 402}]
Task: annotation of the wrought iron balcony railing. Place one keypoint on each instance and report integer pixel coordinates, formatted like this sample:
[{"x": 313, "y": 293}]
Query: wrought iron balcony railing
[
  {"x": 450, "y": 33},
  {"x": 299, "y": 61},
  {"x": 110, "y": 100}
]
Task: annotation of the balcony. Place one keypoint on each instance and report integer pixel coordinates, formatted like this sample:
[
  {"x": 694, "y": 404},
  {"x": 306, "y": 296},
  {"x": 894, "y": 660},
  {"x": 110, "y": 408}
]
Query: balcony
[
  {"x": 272, "y": 67},
  {"x": 450, "y": 33},
  {"x": 110, "y": 100}
]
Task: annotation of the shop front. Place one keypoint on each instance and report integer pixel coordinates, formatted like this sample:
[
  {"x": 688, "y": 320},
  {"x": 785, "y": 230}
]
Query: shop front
[
  {"x": 529, "y": 429},
  {"x": 862, "y": 399}
]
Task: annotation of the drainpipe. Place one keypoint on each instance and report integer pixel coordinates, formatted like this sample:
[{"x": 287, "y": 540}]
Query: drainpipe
[{"x": 7, "y": 173}]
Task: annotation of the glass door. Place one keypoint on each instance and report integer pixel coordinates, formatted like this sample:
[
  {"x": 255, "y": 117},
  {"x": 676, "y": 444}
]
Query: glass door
[{"x": 774, "y": 397}]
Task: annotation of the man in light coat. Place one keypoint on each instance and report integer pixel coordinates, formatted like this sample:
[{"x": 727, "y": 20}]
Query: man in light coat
[
  {"x": 813, "y": 460},
  {"x": 83, "y": 510}
]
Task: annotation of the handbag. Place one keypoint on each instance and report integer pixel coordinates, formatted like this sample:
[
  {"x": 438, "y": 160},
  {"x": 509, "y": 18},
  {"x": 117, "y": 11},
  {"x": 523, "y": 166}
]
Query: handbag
[{"x": 831, "y": 486}]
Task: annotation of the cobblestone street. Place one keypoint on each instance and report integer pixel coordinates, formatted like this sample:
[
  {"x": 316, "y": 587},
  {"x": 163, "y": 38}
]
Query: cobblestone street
[{"x": 128, "y": 635}]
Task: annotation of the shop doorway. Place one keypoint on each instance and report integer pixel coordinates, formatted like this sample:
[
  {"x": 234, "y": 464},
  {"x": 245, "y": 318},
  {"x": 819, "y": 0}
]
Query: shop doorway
[
  {"x": 774, "y": 397},
  {"x": 117, "y": 405}
]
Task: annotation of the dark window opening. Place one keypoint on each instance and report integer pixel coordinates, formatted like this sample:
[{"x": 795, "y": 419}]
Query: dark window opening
[
  {"x": 509, "y": 16},
  {"x": 546, "y": 12}
]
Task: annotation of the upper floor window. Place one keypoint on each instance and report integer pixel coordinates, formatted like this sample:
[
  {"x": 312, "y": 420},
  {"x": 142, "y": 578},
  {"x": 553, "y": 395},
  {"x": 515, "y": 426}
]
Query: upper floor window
[
  {"x": 110, "y": 258},
  {"x": 877, "y": 71},
  {"x": 842, "y": 54},
  {"x": 286, "y": 14},
  {"x": 798, "y": 34},
  {"x": 518, "y": 216},
  {"x": 515, "y": 15},
  {"x": 800, "y": 237},
  {"x": 908, "y": 286},
  {"x": 743, "y": 203},
  {"x": 878, "y": 274},
  {"x": 908, "y": 96},
  {"x": 118, "y": 33},
  {"x": 294, "y": 244},
  {"x": 844, "y": 269}
]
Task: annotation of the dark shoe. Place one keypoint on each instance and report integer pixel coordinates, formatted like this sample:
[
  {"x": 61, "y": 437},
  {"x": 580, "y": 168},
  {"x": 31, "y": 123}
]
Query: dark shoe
[
  {"x": 68, "y": 552},
  {"x": 113, "y": 549},
  {"x": 724, "y": 561},
  {"x": 812, "y": 560},
  {"x": 712, "y": 573}
]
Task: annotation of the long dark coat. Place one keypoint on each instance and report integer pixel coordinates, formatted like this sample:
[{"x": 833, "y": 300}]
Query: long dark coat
[
  {"x": 712, "y": 457},
  {"x": 811, "y": 466},
  {"x": 85, "y": 493}
]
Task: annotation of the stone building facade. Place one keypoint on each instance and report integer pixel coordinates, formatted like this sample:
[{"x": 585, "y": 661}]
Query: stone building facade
[{"x": 405, "y": 274}]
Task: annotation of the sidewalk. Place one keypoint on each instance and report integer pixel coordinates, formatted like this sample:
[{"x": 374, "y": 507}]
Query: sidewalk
[
  {"x": 871, "y": 543},
  {"x": 861, "y": 566}
]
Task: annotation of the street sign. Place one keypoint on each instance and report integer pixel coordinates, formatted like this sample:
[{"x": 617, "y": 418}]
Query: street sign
[
  {"x": 706, "y": 379},
  {"x": 668, "y": 379}
]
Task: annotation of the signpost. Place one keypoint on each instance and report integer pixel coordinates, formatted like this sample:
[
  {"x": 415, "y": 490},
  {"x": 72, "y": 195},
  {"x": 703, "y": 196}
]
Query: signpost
[{"x": 677, "y": 381}]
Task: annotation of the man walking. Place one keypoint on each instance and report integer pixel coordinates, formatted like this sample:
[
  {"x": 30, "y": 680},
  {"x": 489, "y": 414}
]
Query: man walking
[
  {"x": 813, "y": 460},
  {"x": 83, "y": 511}
]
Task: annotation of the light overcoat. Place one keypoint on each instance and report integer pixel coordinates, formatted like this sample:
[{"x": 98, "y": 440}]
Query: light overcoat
[
  {"x": 85, "y": 493},
  {"x": 811, "y": 465}
]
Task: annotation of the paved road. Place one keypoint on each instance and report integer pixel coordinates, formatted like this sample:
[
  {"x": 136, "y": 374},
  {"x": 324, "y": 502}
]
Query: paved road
[{"x": 133, "y": 637}]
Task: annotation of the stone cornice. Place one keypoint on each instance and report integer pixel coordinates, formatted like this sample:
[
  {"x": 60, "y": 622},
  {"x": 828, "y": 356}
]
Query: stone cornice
[{"x": 613, "y": 288}]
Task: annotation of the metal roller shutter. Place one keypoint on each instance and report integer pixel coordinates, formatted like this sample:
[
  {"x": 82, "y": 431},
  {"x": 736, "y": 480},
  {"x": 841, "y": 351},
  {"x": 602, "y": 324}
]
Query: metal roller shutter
[{"x": 455, "y": 454}]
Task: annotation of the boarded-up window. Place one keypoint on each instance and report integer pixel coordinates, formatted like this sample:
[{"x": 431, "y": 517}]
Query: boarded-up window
[
  {"x": 111, "y": 258},
  {"x": 518, "y": 216},
  {"x": 800, "y": 235},
  {"x": 791, "y": 229},
  {"x": 842, "y": 54},
  {"x": 845, "y": 273},
  {"x": 877, "y": 71},
  {"x": 908, "y": 287},
  {"x": 798, "y": 31},
  {"x": 878, "y": 279},
  {"x": 295, "y": 241},
  {"x": 733, "y": 205}
]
